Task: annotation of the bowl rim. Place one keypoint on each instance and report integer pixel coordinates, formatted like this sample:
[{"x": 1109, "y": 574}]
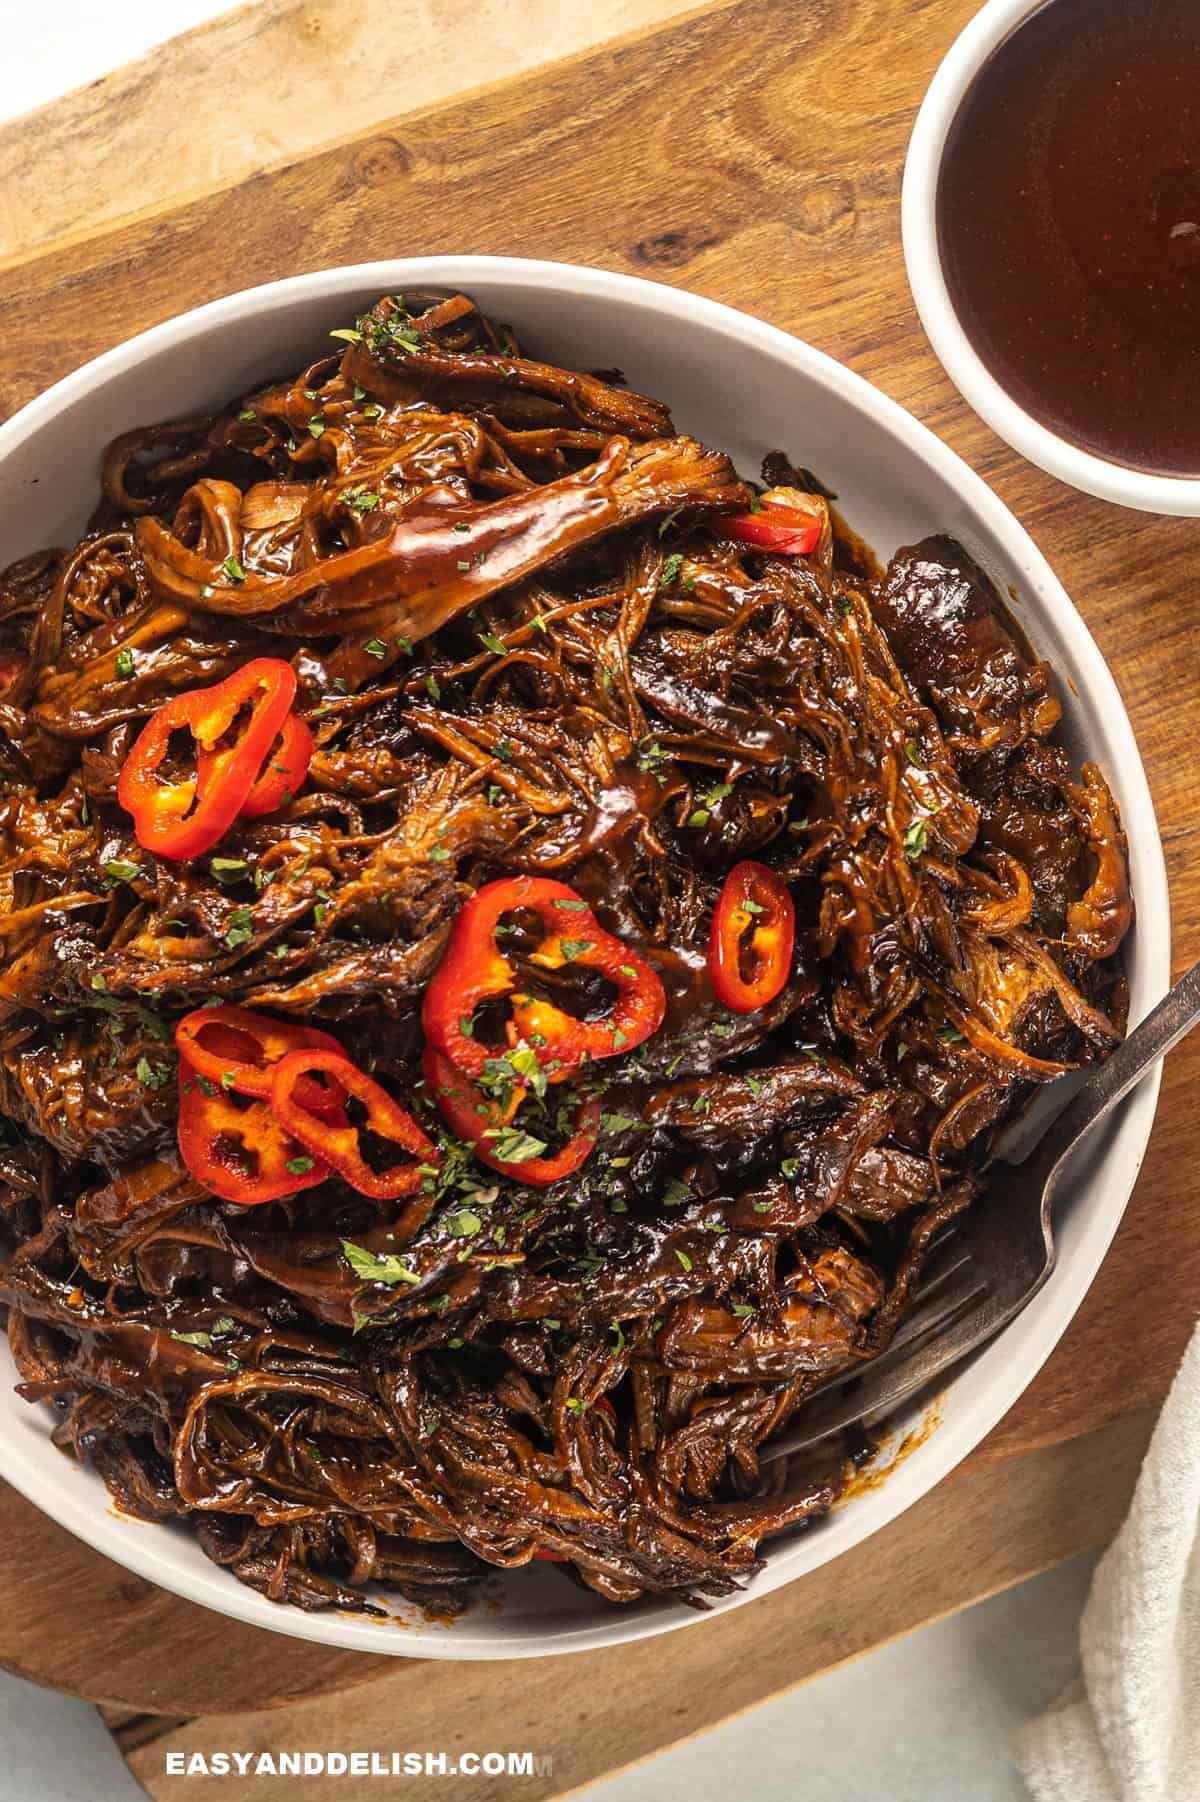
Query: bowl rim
[
  {"x": 996, "y": 21},
  {"x": 76, "y": 1506}
]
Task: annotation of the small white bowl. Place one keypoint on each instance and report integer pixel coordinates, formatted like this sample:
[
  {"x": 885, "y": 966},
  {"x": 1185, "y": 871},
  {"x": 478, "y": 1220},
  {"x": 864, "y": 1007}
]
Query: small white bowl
[
  {"x": 749, "y": 388},
  {"x": 995, "y": 22}
]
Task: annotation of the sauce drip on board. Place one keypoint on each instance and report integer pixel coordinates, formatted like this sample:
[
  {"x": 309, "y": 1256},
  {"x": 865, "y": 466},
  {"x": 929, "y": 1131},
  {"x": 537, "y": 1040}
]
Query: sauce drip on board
[{"x": 1068, "y": 215}]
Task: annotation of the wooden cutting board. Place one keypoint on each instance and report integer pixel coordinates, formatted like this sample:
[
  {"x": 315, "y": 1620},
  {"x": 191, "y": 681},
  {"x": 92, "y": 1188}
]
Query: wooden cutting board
[{"x": 751, "y": 152}]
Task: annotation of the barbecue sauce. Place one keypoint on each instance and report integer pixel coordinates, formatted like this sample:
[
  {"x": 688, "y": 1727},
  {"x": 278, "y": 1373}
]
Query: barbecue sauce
[{"x": 1068, "y": 215}]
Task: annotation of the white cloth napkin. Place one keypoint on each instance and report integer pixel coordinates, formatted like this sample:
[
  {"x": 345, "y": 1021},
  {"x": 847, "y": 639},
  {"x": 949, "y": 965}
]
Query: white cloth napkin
[{"x": 1129, "y": 1731}]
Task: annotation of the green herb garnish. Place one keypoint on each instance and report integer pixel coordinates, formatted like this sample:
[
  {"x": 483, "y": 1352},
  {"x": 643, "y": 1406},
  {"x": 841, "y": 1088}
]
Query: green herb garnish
[
  {"x": 241, "y": 927},
  {"x": 377, "y": 1267},
  {"x": 228, "y": 870}
]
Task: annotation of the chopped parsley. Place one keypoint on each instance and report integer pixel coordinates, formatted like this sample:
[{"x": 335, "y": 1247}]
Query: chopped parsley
[
  {"x": 377, "y": 1267},
  {"x": 241, "y": 927},
  {"x": 124, "y": 663},
  {"x": 228, "y": 870},
  {"x": 152, "y": 1076},
  {"x": 650, "y": 756},
  {"x": 512, "y": 1146},
  {"x": 232, "y": 569},
  {"x": 914, "y": 839},
  {"x": 621, "y": 1123},
  {"x": 462, "y": 1225}
]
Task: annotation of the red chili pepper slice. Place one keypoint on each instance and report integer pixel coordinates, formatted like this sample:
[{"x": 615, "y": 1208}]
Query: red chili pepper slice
[
  {"x": 238, "y": 1049},
  {"x": 753, "y": 900},
  {"x": 185, "y": 818},
  {"x": 286, "y": 768},
  {"x": 482, "y": 1122},
  {"x": 338, "y": 1142},
  {"x": 785, "y": 530},
  {"x": 241, "y": 1153},
  {"x": 473, "y": 970}
]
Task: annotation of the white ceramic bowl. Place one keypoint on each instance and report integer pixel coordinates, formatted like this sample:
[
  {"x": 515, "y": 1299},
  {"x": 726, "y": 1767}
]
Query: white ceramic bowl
[
  {"x": 748, "y": 388},
  {"x": 995, "y": 22}
]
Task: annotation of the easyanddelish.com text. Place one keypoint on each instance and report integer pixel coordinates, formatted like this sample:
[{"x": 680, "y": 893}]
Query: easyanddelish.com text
[{"x": 357, "y": 1764}]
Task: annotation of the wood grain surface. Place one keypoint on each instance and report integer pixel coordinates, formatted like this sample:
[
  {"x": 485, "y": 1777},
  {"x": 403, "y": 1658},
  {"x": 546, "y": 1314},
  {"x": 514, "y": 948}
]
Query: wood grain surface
[
  {"x": 751, "y": 152},
  {"x": 262, "y": 85}
]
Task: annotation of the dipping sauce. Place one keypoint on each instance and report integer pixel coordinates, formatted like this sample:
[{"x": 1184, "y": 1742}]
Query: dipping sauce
[{"x": 1068, "y": 215}]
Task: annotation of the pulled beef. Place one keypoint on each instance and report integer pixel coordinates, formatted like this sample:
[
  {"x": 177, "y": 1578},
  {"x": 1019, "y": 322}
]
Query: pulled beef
[{"x": 524, "y": 643}]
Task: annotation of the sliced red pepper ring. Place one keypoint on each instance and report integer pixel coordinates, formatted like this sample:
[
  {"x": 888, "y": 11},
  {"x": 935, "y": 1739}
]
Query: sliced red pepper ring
[
  {"x": 788, "y": 531},
  {"x": 238, "y": 1049},
  {"x": 753, "y": 931},
  {"x": 285, "y": 770},
  {"x": 474, "y": 970},
  {"x": 241, "y": 1153},
  {"x": 187, "y": 817},
  {"x": 339, "y": 1142},
  {"x": 489, "y": 1130}
]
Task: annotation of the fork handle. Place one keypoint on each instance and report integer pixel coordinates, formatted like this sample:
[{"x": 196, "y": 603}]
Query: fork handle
[{"x": 1174, "y": 1017}]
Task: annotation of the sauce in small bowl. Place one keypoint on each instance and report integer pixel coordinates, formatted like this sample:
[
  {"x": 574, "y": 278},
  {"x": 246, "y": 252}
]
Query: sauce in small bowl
[
  {"x": 1051, "y": 221},
  {"x": 1068, "y": 218}
]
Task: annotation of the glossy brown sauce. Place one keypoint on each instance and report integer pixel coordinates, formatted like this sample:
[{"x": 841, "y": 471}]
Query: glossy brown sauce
[{"x": 1068, "y": 215}]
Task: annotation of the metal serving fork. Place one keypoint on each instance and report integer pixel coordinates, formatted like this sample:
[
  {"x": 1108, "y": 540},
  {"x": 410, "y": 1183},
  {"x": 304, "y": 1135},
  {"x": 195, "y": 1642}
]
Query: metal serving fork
[{"x": 997, "y": 1257}]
